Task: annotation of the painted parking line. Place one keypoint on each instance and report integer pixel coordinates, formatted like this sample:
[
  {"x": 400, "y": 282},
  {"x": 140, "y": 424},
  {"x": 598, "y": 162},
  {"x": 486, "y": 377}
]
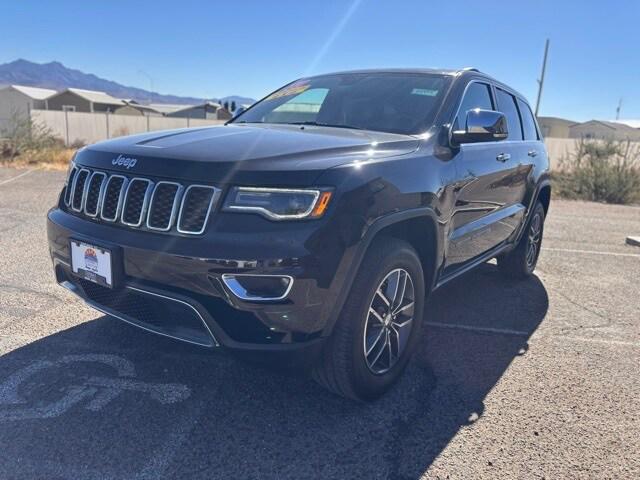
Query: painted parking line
[
  {"x": 473, "y": 328},
  {"x": 621, "y": 343},
  {"x": 23, "y": 174},
  {"x": 590, "y": 252}
]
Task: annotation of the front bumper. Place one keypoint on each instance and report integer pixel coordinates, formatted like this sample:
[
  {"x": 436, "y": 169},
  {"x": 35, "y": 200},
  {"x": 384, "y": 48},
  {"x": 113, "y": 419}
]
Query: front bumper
[{"x": 181, "y": 270}]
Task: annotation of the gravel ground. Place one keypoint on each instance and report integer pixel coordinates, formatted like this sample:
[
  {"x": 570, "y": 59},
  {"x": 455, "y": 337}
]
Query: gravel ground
[{"x": 537, "y": 379}]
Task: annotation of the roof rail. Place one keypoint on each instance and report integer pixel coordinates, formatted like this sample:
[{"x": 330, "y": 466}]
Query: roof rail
[{"x": 470, "y": 69}]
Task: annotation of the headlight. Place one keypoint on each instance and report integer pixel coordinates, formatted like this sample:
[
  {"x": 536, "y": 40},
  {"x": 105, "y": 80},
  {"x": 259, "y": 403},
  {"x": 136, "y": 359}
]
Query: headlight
[{"x": 279, "y": 203}]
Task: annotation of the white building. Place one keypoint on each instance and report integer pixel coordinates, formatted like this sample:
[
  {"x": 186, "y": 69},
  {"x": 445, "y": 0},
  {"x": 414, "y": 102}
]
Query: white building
[{"x": 20, "y": 100}]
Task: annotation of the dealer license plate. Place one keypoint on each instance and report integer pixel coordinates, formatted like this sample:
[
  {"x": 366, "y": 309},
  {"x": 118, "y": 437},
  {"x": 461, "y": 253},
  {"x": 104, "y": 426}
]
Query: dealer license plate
[{"x": 91, "y": 263}]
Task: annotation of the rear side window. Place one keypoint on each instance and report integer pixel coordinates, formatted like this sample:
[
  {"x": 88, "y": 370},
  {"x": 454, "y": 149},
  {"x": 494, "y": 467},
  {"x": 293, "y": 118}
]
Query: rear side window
[
  {"x": 507, "y": 105},
  {"x": 478, "y": 95},
  {"x": 528, "y": 123}
]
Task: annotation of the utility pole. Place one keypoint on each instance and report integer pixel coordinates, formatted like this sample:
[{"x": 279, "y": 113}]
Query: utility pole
[
  {"x": 150, "y": 78},
  {"x": 618, "y": 109},
  {"x": 541, "y": 80}
]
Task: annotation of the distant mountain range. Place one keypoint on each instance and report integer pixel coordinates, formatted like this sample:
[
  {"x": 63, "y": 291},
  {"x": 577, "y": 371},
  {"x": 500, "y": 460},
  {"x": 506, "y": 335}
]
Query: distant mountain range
[{"x": 56, "y": 76}]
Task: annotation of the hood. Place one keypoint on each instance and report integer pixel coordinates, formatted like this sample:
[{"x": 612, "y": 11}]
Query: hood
[{"x": 248, "y": 154}]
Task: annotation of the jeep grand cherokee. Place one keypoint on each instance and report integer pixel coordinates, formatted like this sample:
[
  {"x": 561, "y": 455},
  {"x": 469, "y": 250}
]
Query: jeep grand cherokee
[{"x": 316, "y": 221}]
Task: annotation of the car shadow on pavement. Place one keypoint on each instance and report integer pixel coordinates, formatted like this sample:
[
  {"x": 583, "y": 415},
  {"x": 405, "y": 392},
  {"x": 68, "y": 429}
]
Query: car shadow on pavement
[{"x": 106, "y": 400}]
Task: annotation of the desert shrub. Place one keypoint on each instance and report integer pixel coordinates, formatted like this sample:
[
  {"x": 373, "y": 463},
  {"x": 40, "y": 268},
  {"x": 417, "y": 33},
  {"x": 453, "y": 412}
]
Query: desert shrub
[
  {"x": 21, "y": 135},
  {"x": 600, "y": 171},
  {"x": 120, "y": 132},
  {"x": 78, "y": 143}
]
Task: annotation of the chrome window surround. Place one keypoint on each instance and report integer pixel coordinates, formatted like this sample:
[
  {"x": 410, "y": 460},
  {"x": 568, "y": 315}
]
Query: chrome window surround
[
  {"x": 100, "y": 193},
  {"x": 214, "y": 199},
  {"x": 239, "y": 291},
  {"x": 270, "y": 214},
  {"x": 174, "y": 209},
  {"x": 145, "y": 201},
  {"x": 84, "y": 190},
  {"x": 123, "y": 188}
]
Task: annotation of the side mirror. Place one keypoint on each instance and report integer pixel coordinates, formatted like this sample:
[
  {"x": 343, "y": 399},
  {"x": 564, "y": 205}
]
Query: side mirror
[{"x": 482, "y": 126}]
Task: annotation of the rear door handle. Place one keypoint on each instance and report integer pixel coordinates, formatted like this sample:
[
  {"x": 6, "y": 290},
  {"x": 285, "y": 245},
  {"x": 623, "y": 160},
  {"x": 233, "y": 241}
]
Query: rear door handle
[
  {"x": 503, "y": 157},
  {"x": 532, "y": 153}
]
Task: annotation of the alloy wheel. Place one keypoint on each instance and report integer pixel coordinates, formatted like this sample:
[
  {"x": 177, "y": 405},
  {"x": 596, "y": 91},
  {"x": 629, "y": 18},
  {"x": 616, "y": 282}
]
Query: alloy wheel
[
  {"x": 389, "y": 321},
  {"x": 534, "y": 239}
]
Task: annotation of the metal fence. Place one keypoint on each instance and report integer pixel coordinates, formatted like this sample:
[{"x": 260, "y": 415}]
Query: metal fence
[{"x": 85, "y": 128}]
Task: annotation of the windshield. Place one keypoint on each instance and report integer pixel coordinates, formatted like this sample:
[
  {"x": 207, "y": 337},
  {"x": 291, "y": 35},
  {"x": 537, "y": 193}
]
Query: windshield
[{"x": 388, "y": 102}]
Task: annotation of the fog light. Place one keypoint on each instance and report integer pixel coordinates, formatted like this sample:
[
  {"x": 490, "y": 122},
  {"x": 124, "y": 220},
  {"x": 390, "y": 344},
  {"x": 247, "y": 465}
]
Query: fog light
[{"x": 258, "y": 288}]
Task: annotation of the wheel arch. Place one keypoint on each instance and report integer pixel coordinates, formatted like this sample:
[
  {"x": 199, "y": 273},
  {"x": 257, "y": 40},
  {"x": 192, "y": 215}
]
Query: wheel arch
[{"x": 419, "y": 227}]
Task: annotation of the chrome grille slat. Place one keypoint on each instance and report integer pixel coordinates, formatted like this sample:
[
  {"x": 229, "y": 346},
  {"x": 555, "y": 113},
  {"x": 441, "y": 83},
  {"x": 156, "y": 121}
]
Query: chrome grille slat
[
  {"x": 112, "y": 197},
  {"x": 69, "y": 188},
  {"x": 159, "y": 204},
  {"x": 138, "y": 202},
  {"x": 79, "y": 190},
  {"x": 95, "y": 187},
  {"x": 187, "y": 220}
]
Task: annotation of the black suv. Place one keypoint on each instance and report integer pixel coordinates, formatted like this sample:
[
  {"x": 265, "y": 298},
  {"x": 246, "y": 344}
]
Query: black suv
[{"x": 316, "y": 221}]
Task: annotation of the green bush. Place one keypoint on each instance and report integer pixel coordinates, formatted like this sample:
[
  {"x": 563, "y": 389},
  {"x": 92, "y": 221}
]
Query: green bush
[{"x": 600, "y": 171}]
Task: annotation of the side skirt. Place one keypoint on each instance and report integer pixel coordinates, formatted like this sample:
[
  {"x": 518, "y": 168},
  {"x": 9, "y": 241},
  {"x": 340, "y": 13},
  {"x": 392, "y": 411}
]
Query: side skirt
[{"x": 471, "y": 265}]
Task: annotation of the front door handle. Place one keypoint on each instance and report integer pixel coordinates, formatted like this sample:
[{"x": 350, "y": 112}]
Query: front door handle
[
  {"x": 532, "y": 153},
  {"x": 503, "y": 157}
]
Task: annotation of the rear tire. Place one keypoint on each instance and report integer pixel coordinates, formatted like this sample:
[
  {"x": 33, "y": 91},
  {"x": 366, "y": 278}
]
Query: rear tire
[
  {"x": 379, "y": 325},
  {"x": 521, "y": 261}
]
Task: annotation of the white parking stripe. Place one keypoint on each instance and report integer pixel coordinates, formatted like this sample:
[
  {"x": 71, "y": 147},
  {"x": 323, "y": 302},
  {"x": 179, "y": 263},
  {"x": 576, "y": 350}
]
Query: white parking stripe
[
  {"x": 604, "y": 340},
  {"x": 590, "y": 252},
  {"x": 17, "y": 177},
  {"x": 506, "y": 331},
  {"x": 472, "y": 328}
]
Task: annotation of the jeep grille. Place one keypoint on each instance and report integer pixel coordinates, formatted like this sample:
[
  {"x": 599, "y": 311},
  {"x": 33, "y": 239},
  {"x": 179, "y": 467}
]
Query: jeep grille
[{"x": 139, "y": 203}]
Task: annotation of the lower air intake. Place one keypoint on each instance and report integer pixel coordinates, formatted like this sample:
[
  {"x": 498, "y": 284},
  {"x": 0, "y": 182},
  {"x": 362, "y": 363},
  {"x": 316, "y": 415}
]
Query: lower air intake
[{"x": 156, "y": 313}]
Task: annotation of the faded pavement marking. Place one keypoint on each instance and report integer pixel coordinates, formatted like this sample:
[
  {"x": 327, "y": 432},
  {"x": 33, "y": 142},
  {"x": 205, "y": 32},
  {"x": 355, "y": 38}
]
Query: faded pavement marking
[{"x": 96, "y": 391}]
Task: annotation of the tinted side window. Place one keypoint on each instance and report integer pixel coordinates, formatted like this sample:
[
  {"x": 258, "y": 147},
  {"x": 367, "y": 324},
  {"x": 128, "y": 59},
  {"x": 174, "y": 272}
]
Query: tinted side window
[
  {"x": 478, "y": 95},
  {"x": 507, "y": 105},
  {"x": 528, "y": 123}
]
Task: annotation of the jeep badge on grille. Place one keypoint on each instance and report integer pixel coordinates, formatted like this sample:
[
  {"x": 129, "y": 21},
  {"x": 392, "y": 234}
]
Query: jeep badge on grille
[{"x": 124, "y": 161}]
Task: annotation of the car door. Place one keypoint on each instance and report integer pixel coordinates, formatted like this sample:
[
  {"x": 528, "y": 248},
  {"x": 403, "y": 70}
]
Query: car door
[
  {"x": 488, "y": 208},
  {"x": 536, "y": 153}
]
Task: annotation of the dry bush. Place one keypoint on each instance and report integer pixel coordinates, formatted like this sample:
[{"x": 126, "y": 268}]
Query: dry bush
[
  {"x": 28, "y": 143},
  {"x": 601, "y": 171},
  {"x": 21, "y": 134},
  {"x": 120, "y": 132}
]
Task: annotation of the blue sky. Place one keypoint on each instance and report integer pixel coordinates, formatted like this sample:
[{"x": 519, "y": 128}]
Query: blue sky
[{"x": 212, "y": 49}]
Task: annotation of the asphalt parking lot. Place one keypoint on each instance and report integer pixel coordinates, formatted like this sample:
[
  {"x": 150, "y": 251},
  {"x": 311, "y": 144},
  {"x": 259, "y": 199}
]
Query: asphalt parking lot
[{"x": 537, "y": 379}]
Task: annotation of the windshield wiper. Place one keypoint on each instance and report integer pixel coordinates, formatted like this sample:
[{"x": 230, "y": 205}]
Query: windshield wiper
[{"x": 318, "y": 124}]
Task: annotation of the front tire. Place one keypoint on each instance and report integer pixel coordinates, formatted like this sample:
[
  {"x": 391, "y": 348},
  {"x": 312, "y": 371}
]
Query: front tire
[
  {"x": 379, "y": 325},
  {"x": 521, "y": 261}
]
